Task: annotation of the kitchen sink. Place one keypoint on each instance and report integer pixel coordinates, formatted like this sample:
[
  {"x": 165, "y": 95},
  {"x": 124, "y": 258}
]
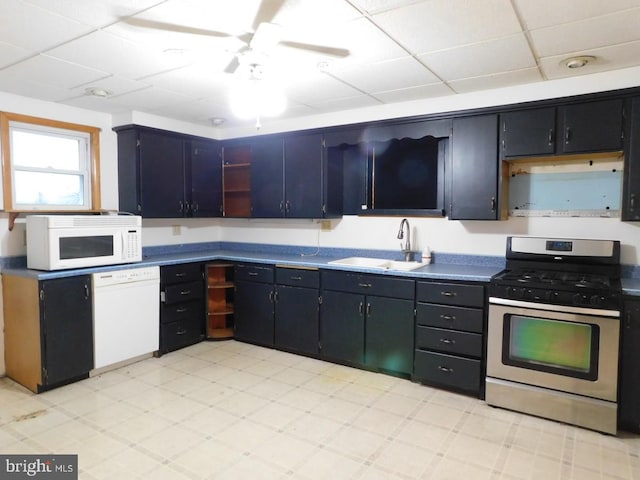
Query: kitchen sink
[{"x": 377, "y": 263}]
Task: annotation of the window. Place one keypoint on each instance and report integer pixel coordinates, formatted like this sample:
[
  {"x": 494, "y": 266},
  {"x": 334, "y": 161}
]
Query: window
[{"x": 49, "y": 165}]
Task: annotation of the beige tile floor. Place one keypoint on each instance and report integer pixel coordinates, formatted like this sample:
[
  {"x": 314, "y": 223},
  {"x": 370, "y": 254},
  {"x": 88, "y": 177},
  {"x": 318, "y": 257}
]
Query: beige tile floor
[{"x": 229, "y": 410}]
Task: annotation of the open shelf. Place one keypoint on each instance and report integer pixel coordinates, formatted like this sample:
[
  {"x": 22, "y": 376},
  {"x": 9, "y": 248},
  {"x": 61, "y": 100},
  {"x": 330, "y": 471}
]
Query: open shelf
[{"x": 220, "y": 287}]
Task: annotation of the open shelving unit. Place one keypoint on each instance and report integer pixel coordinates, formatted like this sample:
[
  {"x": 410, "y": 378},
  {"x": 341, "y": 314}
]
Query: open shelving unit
[
  {"x": 220, "y": 287},
  {"x": 236, "y": 181}
]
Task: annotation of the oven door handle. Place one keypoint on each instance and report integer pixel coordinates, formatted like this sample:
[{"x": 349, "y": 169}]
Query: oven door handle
[{"x": 554, "y": 308}]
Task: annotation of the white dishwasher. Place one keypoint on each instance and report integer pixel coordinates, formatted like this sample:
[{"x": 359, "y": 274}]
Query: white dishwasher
[{"x": 126, "y": 314}]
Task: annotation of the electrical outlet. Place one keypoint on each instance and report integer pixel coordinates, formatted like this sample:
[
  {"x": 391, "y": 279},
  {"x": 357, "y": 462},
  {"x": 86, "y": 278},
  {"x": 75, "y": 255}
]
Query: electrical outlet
[
  {"x": 325, "y": 225},
  {"x": 176, "y": 230}
]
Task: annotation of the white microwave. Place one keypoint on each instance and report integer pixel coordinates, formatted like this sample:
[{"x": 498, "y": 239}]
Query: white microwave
[{"x": 57, "y": 242}]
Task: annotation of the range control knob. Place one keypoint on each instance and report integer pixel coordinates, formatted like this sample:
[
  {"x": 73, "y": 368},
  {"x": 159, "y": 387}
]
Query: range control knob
[
  {"x": 597, "y": 300},
  {"x": 515, "y": 292},
  {"x": 579, "y": 299}
]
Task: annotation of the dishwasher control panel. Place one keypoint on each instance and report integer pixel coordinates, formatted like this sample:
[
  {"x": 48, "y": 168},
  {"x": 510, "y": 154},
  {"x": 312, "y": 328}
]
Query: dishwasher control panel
[{"x": 131, "y": 275}]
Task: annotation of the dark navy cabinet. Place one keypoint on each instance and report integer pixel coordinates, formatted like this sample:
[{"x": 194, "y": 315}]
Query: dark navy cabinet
[
  {"x": 254, "y": 303},
  {"x": 629, "y": 392},
  {"x": 631, "y": 183},
  {"x": 367, "y": 320}
]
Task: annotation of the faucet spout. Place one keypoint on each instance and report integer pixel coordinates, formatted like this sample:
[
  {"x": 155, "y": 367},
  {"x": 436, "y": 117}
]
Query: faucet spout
[{"x": 406, "y": 249}]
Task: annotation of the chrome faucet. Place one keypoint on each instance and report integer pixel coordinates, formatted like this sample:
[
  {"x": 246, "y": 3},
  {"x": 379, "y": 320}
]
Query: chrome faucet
[{"x": 406, "y": 249}]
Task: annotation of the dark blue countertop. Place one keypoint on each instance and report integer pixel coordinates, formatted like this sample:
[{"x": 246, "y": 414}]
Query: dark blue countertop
[{"x": 631, "y": 286}]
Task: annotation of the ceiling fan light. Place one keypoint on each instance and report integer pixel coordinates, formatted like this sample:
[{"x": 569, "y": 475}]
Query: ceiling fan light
[{"x": 256, "y": 98}]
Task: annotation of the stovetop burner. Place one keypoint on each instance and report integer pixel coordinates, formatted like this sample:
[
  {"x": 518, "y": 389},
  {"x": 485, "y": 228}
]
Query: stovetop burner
[{"x": 583, "y": 273}]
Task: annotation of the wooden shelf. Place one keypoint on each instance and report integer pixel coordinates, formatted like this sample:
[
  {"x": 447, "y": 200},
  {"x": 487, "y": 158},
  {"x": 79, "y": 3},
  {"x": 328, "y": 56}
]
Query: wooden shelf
[{"x": 220, "y": 289}]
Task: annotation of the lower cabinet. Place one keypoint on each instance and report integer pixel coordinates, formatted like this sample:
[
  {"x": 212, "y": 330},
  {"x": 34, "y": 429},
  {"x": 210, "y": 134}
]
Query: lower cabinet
[
  {"x": 296, "y": 312},
  {"x": 449, "y": 341},
  {"x": 182, "y": 312},
  {"x": 629, "y": 392},
  {"x": 367, "y": 320},
  {"x": 254, "y": 300},
  {"x": 48, "y": 330}
]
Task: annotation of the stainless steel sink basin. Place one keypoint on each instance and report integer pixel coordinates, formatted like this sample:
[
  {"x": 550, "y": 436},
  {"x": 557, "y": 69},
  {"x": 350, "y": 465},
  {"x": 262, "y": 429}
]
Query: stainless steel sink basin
[{"x": 377, "y": 263}]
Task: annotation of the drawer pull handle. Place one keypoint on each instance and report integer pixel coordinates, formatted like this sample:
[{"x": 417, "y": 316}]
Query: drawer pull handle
[
  {"x": 181, "y": 310},
  {"x": 448, "y": 294},
  {"x": 361, "y": 308},
  {"x": 447, "y": 341},
  {"x": 445, "y": 369},
  {"x": 449, "y": 318},
  {"x": 364, "y": 285},
  {"x": 180, "y": 275},
  {"x": 296, "y": 278},
  {"x": 182, "y": 331},
  {"x": 185, "y": 292},
  {"x": 253, "y": 274}
]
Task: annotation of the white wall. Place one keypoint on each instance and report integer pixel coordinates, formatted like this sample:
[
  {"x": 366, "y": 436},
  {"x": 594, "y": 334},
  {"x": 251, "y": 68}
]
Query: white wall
[{"x": 440, "y": 235}]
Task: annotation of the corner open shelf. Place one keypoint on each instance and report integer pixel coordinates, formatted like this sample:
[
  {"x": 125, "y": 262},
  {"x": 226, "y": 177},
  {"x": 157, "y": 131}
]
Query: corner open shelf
[{"x": 220, "y": 288}]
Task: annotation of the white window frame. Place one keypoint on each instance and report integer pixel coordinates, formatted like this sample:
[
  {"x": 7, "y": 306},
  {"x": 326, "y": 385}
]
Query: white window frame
[{"x": 89, "y": 156}]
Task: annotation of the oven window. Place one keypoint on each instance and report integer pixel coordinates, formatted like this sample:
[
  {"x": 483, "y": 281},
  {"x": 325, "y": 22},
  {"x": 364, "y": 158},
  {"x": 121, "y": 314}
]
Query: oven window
[
  {"x": 86, "y": 247},
  {"x": 554, "y": 346}
]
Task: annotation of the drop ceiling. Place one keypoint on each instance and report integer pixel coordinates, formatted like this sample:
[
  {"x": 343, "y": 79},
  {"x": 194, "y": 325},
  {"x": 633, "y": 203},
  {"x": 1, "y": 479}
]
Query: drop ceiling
[{"x": 399, "y": 50}]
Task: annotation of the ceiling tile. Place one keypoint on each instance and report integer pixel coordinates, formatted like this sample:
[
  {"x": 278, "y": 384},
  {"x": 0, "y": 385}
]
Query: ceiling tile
[
  {"x": 204, "y": 79},
  {"x": 115, "y": 84},
  {"x": 544, "y": 13},
  {"x": 376, "y": 6},
  {"x": 439, "y": 24},
  {"x": 95, "y": 103},
  {"x": 390, "y": 75},
  {"x": 499, "y": 55},
  {"x": 94, "y": 13},
  {"x": 607, "y": 58},
  {"x": 151, "y": 98},
  {"x": 414, "y": 93},
  {"x": 55, "y": 72},
  {"x": 496, "y": 80},
  {"x": 347, "y": 103},
  {"x": 116, "y": 55},
  {"x": 46, "y": 28},
  {"x": 318, "y": 88},
  {"x": 10, "y": 54},
  {"x": 17, "y": 83},
  {"x": 587, "y": 34}
]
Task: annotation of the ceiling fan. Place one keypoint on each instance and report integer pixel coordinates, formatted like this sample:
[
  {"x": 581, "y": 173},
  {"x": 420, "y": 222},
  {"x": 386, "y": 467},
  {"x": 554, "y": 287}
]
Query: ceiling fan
[{"x": 258, "y": 46}]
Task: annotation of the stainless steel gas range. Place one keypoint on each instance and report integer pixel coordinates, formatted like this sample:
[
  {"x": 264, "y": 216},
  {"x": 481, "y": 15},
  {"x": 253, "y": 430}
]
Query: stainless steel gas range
[{"x": 553, "y": 331}]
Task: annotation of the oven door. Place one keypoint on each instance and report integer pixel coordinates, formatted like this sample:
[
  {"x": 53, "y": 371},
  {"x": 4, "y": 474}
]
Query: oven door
[{"x": 568, "y": 349}]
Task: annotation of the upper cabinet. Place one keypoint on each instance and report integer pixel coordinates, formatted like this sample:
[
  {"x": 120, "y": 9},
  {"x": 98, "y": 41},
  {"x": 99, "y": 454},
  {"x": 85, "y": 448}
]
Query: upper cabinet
[
  {"x": 395, "y": 169},
  {"x": 473, "y": 191},
  {"x": 281, "y": 176},
  {"x": 167, "y": 175},
  {"x": 564, "y": 130},
  {"x": 631, "y": 183}
]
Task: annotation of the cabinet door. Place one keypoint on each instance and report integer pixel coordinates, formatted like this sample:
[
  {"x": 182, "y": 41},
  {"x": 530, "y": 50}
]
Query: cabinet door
[
  {"x": 267, "y": 178},
  {"x": 631, "y": 184},
  {"x": 254, "y": 312},
  {"x": 389, "y": 334},
  {"x": 161, "y": 176},
  {"x": 205, "y": 175},
  {"x": 356, "y": 178},
  {"x": 629, "y": 411},
  {"x": 592, "y": 127},
  {"x": 128, "y": 172},
  {"x": 474, "y": 175},
  {"x": 303, "y": 176},
  {"x": 67, "y": 325},
  {"x": 296, "y": 319},
  {"x": 342, "y": 327},
  {"x": 528, "y": 132}
]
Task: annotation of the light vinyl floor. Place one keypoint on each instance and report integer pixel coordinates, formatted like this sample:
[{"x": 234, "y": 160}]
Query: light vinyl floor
[{"x": 228, "y": 410}]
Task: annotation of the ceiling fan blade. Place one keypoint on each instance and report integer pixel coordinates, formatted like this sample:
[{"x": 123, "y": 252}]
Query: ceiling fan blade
[
  {"x": 172, "y": 27},
  {"x": 233, "y": 65},
  {"x": 267, "y": 12},
  {"x": 322, "y": 49}
]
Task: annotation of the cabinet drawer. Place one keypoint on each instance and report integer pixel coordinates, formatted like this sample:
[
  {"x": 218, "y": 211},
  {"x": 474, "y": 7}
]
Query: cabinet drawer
[
  {"x": 456, "y": 318},
  {"x": 442, "y": 369},
  {"x": 449, "y": 341},
  {"x": 181, "y": 311},
  {"x": 296, "y": 277},
  {"x": 183, "y": 292},
  {"x": 181, "y": 333},
  {"x": 368, "y": 284},
  {"x": 254, "y": 273},
  {"x": 451, "y": 294},
  {"x": 183, "y": 273}
]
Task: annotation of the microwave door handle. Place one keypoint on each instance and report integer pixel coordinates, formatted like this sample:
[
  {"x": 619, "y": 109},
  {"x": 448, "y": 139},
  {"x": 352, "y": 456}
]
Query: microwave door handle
[{"x": 122, "y": 240}]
